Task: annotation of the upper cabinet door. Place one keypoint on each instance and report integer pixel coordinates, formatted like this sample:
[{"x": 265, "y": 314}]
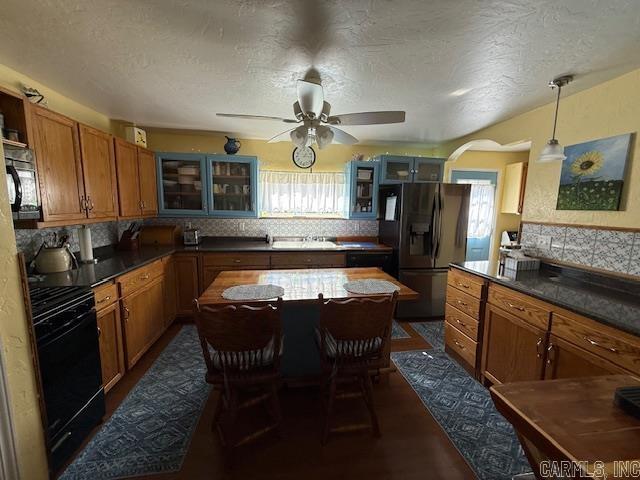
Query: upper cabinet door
[
  {"x": 233, "y": 185},
  {"x": 396, "y": 169},
  {"x": 363, "y": 184},
  {"x": 128, "y": 183},
  {"x": 428, "y": 170},
  {"x": 148, "y": 182},
  {"x": 59, "y": 165},
  {"x": 98, "y": 165},
  {"x": 182, "y": 184}
]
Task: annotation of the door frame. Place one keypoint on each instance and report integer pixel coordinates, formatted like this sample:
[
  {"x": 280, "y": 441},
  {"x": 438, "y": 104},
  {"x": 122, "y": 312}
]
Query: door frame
[{"x": 494, "y": 221}]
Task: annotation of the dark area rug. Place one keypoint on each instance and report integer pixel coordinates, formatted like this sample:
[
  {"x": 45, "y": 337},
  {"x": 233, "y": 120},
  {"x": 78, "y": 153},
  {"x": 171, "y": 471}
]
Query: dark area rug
[
  {"x": 397, "y": 332},
  {"x": 462, "y": 407},
  {"x": 151, "y": 430}
]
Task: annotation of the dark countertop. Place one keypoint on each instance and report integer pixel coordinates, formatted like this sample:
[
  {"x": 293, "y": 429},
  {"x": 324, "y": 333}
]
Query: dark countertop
[
  {"x": 606, "y": 299},
  {"x": 239, "y": 244},
  {"x": 113, "y": 263}
]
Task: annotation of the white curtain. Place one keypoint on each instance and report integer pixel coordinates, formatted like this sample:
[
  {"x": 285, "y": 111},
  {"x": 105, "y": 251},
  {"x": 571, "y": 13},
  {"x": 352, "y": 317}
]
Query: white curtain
[
  {"x": 300, "y": 193},
  {"x": 481, "y": 208}
]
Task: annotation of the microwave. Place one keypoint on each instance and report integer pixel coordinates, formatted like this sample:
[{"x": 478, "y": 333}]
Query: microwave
[{"x": 22, "y": 183}]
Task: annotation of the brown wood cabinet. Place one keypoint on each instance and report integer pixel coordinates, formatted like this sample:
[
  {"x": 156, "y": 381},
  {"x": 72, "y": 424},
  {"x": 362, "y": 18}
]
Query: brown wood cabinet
[
  {"x": 187, "y": 282},
  {"x": 99, "y": 173},
  {"x": 522, "y": 338},
  {"x": 142, "y": 313},
  {"x": 214, "y": 263},
  {"x": 136, "y": 173},
  {"x": 59, "y": 163},
  {"x": 111, "y": 346},
  {"x": 148, "y": 185},
  {"x": 170, "y": 301},
  {"x": 308, "y": 260},
  {"x": 513, "y": 349},
  {"x": 565, "y": 360}
]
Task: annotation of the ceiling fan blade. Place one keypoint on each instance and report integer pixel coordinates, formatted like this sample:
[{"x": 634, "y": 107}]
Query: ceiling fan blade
[
  {"x": 367, "y": 118},
  {"x": 282, "y": 137},
  {"x": 310, "y": 97},
  {"x": 256, "y": 117},
  {"x": 340, "y": 136}
]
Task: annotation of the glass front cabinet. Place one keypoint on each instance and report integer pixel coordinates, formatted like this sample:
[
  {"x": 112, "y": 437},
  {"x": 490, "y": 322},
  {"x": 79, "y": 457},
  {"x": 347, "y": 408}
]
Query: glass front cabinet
[
  {"x": 233, "y": 182},
  {"x": 401, "y": 169},
  {"x": 207, "y": 185},
  {"x": 181, "y": 184},
  {"x": 362, "y": 182}
]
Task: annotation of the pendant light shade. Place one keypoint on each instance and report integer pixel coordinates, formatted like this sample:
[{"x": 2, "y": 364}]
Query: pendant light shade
[{"x": 553, "y": 151}]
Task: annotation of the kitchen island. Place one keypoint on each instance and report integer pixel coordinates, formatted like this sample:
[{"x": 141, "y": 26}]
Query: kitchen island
[{"x": 300, "y": 311}]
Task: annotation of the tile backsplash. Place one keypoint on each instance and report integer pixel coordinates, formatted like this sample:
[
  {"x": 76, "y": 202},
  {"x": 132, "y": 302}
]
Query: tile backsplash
[
  {"x": 612, "y": 250},
  {"x": 108, "y": 233},
  {"x": 277, "y": 227},
  {"x": 102, "y": 234}
]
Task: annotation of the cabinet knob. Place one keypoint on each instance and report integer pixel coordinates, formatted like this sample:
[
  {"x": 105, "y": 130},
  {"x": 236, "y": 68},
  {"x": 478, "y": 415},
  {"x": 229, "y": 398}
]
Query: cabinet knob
[
  {"x": 105, "y": 299},
  {"x": 126, "y": 312},
  {"x": 99, "y": 332},
  {"x": 517, "y": 307},
  {"x": 459, "y": 345},
  {"x": 539, "y": 350},
  {"x": 551, "y": 353}
]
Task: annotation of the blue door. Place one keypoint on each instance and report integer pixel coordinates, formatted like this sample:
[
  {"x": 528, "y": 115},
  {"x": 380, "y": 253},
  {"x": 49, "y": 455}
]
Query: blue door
[
  {"x": 233, "y": 185},
  {"x": 481, "y": 210}
]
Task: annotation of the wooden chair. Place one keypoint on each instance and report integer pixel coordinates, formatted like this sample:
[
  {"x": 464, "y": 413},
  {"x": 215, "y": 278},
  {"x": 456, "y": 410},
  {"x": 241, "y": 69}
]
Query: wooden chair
[
  {"x": 241, "y": 345},
  {"x": 352, "y": 338}
]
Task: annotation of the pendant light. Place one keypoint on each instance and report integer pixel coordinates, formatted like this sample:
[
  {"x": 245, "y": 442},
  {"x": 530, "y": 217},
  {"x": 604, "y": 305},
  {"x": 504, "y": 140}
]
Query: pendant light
[{"x": 553, "y": 150}]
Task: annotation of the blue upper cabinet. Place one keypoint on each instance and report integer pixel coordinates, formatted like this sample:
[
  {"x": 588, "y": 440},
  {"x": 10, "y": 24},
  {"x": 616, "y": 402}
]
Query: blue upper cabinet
[
  {"x": 233, "y": 186},
  {"x": 181, "y": 184},
  {"x": 428, "y": 170},
  {"x": 362, "y": 181},
  {"x": 401, "y": 169}
]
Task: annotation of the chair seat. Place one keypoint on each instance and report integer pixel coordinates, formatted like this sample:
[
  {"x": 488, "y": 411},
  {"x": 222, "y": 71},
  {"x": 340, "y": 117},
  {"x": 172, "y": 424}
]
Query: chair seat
[
  {"x": 267, "y": 356},
  {"x": 331, "y": 345}
]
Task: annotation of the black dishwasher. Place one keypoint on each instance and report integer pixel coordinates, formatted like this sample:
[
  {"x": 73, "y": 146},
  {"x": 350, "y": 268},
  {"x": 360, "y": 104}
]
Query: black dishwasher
[{"x": 383, "y": 261}]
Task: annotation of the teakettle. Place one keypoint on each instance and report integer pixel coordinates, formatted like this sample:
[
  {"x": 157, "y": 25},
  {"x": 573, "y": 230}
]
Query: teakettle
[
  {"x": 232, "y": 146},
  {"x": 54, "y": 259}
]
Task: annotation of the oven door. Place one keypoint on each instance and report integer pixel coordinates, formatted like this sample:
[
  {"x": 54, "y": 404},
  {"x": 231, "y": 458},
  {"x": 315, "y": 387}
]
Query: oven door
[{"x": 70, "y": 369}]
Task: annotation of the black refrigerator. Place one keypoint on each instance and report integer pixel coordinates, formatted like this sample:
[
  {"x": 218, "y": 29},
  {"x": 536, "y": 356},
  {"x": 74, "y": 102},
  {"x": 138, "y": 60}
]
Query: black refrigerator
[{"x": 426, "y": 224}]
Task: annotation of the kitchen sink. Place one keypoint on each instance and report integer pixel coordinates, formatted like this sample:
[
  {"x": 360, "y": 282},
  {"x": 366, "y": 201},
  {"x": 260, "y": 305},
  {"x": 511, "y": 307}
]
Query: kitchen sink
[{"x": 303, "y": 245}]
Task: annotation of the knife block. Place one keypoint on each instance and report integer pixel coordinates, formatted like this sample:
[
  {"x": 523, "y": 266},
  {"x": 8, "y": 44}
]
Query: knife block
[{"x": 127, "y": 243}]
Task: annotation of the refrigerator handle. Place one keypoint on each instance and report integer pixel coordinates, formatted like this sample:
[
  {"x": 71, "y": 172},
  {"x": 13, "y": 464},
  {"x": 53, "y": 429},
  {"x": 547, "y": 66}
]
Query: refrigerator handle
[{"x": 438, "y": 224}]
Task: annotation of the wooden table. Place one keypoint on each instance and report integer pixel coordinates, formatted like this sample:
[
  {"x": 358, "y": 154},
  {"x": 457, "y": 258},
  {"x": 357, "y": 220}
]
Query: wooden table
[
  {"x": 573, "y": 420},
  {"x": 300, "y": 310}
]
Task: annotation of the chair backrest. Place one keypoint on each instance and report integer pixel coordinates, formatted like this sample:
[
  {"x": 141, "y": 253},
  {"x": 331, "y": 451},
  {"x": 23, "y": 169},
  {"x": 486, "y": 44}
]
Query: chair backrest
[
  {"x": 358, "y": 328},
  {"x": 239, "y": 338}
]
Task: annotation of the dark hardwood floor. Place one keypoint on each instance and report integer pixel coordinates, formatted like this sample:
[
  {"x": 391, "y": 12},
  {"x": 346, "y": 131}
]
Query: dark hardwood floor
[{"x": 412, "y": 446}]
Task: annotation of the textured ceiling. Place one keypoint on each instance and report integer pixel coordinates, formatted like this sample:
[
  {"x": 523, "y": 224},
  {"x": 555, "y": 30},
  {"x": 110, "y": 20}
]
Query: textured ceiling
[{"x": 176, "y": 63}]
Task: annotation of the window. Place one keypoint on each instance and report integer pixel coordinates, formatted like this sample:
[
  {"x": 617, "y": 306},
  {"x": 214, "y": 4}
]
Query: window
[
  {"x": 302, "y": 194},
  {"x": 481, "y": 206}
]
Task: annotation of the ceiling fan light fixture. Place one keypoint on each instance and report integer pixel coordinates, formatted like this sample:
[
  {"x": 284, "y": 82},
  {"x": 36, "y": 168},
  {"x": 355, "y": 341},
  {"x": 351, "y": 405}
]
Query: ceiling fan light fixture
[
  {"x": 553, "y": 151},
  {"x": 324, "y": 136},
  {"x": 300, "y": 136}
]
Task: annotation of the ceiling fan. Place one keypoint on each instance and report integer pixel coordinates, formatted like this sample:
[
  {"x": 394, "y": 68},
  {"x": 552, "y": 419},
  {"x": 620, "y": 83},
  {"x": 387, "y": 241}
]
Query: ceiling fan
[{"x": 318, "y": 125}]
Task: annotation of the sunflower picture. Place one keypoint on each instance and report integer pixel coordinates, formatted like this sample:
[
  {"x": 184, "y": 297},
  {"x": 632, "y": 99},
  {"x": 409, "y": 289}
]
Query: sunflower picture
[{"x": 593, "y": 174}]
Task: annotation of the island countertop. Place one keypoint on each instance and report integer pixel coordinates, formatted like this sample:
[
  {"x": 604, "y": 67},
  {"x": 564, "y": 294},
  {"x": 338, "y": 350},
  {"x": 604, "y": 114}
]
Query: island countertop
[
  {"x": 607, "y": 299},
  {"x": 302, "y": 285}
]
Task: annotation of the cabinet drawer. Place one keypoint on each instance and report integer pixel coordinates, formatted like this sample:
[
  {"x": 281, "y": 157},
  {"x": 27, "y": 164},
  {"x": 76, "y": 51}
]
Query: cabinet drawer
[
  {"x": 235, "y": 260},
  {"x": 132, "y": 281},
  {"x": 460, "y": 343},
  {"x": 463, "y": 302},
  {"x": 462, "y": 321},
  {"x": 468, "y": 283},
  {"x": 618, "y": 347},
  {"x": 522, "y": 306},
  {"x": 308, "y": 259},
  {"x": 105, "y": 295}
]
